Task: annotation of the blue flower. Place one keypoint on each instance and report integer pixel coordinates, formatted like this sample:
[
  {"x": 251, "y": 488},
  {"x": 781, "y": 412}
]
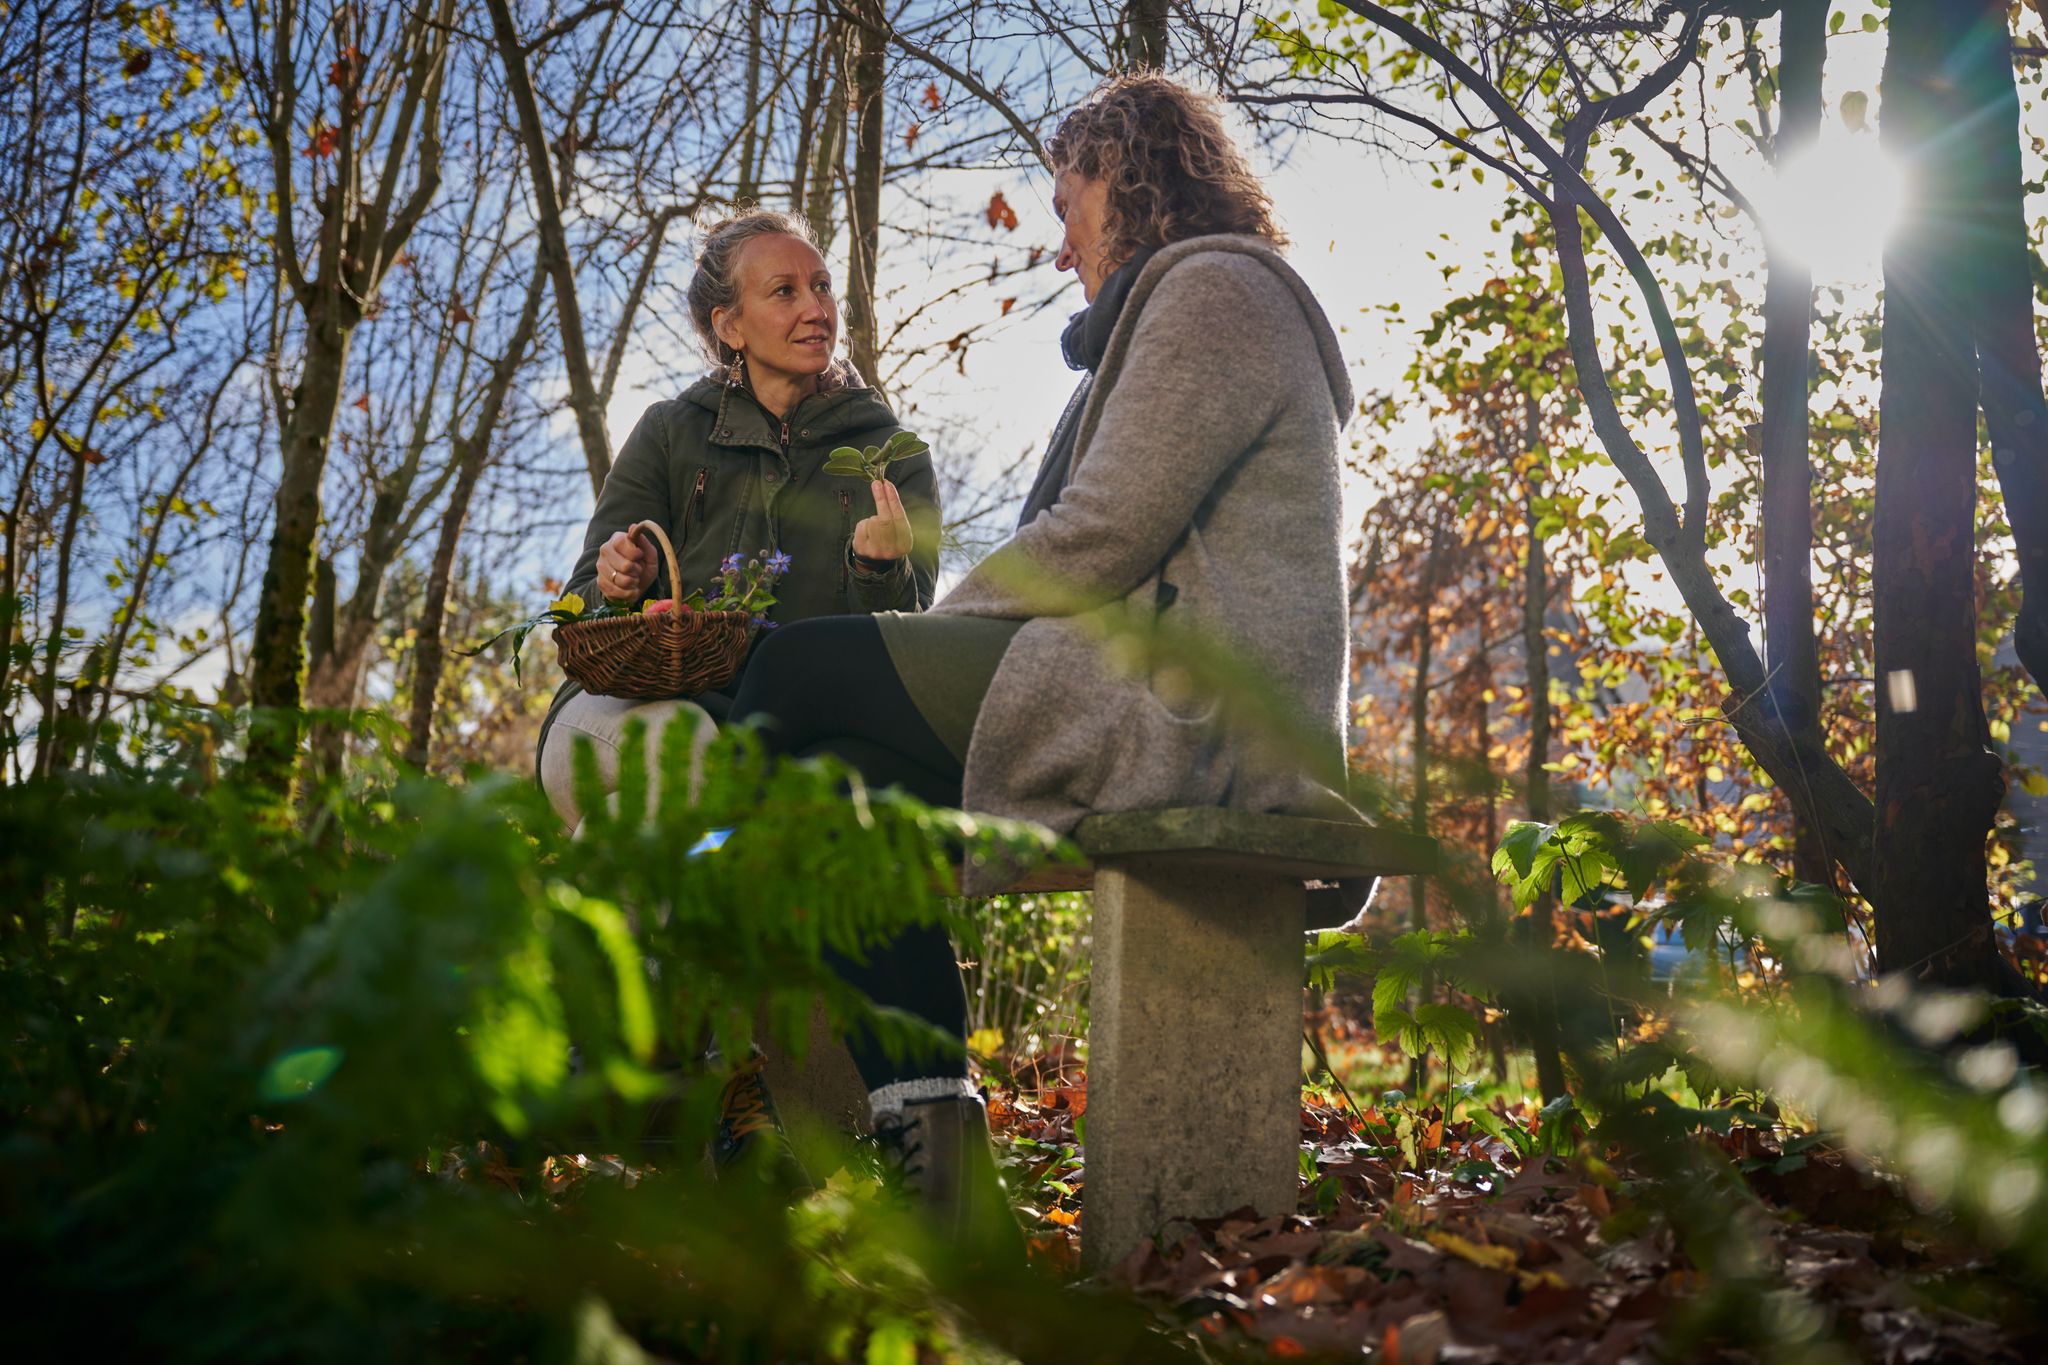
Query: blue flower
[
  {"x": 732, "y": 563},
  {"x": 778, "y": 563}
]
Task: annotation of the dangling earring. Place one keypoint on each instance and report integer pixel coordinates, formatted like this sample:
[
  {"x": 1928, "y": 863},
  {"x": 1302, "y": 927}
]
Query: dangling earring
[{"x": 736, "y": 373}]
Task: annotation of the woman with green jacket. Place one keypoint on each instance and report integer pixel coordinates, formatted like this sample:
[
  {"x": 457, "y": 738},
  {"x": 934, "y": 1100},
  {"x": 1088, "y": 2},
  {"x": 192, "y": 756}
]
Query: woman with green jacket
[{"x": 735, "y": 466}]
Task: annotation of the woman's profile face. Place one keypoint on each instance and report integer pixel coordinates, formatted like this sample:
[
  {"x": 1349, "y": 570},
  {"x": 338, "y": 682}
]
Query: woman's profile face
[
  {"x": 1082, "y": 204},
  {"x": 787, "y": 319}
]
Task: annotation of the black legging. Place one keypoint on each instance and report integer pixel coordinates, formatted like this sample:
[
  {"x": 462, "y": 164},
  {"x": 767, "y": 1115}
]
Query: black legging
[{"x": 827, "y": 686}]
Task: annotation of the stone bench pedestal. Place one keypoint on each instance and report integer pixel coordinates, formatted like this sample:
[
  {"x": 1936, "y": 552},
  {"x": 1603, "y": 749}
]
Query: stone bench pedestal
[{"x": 1194, "y": 1045}]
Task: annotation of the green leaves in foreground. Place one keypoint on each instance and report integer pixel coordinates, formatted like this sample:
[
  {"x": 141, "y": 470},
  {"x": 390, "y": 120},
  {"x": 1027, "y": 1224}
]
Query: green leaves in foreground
[
  {"x": 1582, "y": 853},
  {"x": 873, "y": 463}
]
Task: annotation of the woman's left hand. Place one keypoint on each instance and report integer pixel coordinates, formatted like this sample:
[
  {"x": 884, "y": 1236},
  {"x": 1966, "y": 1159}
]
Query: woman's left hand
[{"x": 886, "y": 534}]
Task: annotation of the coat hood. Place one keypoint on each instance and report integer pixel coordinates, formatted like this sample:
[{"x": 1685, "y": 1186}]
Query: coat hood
[{"x": 1335, "y": 371}]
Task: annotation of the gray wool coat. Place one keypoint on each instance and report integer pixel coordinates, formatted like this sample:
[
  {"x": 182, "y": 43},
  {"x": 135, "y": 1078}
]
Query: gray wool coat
[{"x": 1203, "y": 505}]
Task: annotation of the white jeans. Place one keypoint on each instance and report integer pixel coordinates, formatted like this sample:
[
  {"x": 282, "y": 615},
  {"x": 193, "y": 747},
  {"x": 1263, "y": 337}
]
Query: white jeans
[{"x": 602, "y": 721}]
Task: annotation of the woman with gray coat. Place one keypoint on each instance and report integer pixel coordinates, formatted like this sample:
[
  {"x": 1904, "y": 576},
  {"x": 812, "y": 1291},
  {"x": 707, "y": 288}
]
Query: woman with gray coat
[{"x": 1190, "y": 494}]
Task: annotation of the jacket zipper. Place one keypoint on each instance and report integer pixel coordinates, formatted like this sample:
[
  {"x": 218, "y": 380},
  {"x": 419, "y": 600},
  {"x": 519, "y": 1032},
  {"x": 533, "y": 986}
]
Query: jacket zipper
[{"x": 846, "y": 535}]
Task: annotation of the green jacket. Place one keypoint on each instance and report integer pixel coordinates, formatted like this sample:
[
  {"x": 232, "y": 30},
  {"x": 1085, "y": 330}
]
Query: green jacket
[{"x": 722, "y": 477}]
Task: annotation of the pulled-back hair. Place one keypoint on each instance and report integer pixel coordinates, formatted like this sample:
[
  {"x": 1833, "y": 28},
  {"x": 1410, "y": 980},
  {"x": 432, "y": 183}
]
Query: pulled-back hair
[
  {"x": 1171, "y": 169},
  {"x": 716, "y": 283}
]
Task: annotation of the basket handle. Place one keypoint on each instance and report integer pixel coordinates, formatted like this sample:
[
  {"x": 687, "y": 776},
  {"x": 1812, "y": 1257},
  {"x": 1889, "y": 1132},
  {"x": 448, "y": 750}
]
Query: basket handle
[{"x": 668, "y": 553}]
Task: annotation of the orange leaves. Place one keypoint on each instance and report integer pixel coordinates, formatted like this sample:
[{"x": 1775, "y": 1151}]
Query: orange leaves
[
  {"x": 362, "y": 404},
  {"x": 931, "y": 96},
  {"x": 457, "y": 314},
  {"x": 1037, "y": 254},
  {"x": 343, "y": 71},
  {"x": 1000, "y": 214},
  {"x": 325, "y": 138},
  {"x": 910, "y": 135},
  {"x": 1007, "y": 305}
]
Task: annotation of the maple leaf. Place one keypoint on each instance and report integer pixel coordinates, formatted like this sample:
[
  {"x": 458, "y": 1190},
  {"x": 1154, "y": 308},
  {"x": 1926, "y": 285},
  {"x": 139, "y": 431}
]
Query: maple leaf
[
  {"x": 910, "y": 135},
  {"x": 931, "y": 96},
  {"x": 1000, "y": 214},
  {"x": 323, "y": 143}
]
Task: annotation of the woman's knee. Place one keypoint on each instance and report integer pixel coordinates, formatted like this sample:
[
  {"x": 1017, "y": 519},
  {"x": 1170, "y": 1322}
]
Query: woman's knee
[{"x": 604, "y": 722}]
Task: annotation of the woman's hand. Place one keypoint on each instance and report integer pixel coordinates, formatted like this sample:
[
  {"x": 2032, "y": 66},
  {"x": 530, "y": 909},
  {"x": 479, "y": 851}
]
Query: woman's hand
[
  {"x": 886, "y": 534},
  {"x": 625, "y": 568}
]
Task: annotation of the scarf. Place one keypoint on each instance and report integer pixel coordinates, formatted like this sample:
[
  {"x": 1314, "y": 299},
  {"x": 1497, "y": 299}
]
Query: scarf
[{"x": 1084, "y": 343}]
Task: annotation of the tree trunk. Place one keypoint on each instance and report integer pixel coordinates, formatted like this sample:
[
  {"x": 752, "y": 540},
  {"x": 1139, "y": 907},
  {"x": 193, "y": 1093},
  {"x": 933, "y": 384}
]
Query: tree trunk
[
  {"x": 277, "y": 650},
  {"x": 1938, "y": 783},
  {"x": 1418, "y": 808},
  {"x": 747, "y": 189},
  {"x": 52, "y": 741},
  {"x": 1544, "y": 1039},
  {"x": 1790, "y": 652},
  {"x": 1144, "y": 34},
  {"x": 554, "y": 248},
  {"x": 2002, "y": 308},
  {"x": 810, "y": 109},
  {"x": 829, "y": 155},
  {"x": 864, "y": 208},
  {"x": 472, "y": 455}
]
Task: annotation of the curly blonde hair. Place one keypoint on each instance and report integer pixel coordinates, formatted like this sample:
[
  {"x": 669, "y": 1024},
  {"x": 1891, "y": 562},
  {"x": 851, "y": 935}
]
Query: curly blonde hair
[{"x": 1171, "y": 168}]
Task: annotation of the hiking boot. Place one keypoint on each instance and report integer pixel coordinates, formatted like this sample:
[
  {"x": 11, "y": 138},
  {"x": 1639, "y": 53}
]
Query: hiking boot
[
  {"x": 937, "y": 1153},
  {"x": 749, "y": 1132}
]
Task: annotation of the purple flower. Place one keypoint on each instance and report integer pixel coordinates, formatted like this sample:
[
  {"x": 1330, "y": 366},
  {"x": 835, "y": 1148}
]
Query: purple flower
[
  {"x": 732, "y": 563},
  {"x": 778, "y": 564},
  {"x": 764, "y": 623}
]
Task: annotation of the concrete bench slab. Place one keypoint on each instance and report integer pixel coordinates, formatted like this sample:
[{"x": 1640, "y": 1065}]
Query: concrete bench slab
[{"x": 1194, "y": 1050}]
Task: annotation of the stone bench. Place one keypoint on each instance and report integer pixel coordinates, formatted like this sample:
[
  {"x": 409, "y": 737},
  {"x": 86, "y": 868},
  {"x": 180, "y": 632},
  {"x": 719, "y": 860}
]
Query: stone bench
[{"x": 1194, "y": 1043}]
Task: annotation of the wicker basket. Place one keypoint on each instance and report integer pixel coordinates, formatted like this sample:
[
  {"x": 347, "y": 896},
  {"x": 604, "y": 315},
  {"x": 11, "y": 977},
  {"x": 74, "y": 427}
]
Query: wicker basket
[{"x": 676, "y": 653}]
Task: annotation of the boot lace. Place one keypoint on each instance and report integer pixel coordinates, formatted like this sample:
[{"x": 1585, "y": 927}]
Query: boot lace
[{"x": 743, "y": 1104}]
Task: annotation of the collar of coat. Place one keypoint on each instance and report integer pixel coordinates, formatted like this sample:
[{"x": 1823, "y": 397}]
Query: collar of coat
[{"x": 843, "y": 403}]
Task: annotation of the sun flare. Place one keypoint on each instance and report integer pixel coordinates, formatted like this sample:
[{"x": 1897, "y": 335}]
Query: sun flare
[{"x": 1833, "y": 205}]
